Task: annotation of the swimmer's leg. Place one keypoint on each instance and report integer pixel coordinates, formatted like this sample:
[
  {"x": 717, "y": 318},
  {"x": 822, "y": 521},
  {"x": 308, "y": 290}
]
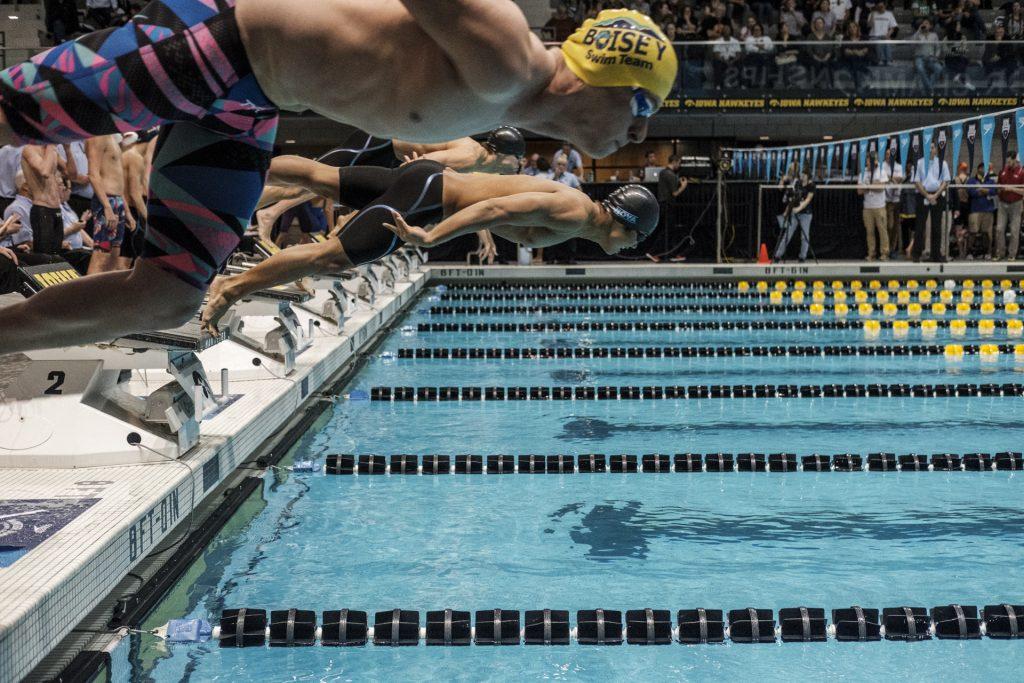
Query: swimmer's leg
[
  {"x": 361, "y": 149},
  {"x": 98, "y": 308},
  {"x": 202, "y": 192},
  {"x": 288, "y": 265},
  {"x": 266, "y": 217}
]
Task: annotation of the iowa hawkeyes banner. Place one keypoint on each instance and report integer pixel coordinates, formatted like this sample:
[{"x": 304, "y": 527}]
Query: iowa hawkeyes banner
[
  {"x": 844, "y": 160},
  {"x": 814, "y": 104}
]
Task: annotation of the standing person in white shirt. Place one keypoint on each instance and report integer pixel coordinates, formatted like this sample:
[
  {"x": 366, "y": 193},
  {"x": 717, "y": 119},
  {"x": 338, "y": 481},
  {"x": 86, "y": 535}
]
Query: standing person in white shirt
[
  {"x": 872, "y": 185},
  {"x": 10, "y": 166},
  {"x": 883, "y": 26},
  {"x": 841, "y": 10},
  {"x": 893, "y": 200},
  {"x": 758, "y": 46},
  {"x": 726, "y": 51},
  {"x": 932, "y": 178}
]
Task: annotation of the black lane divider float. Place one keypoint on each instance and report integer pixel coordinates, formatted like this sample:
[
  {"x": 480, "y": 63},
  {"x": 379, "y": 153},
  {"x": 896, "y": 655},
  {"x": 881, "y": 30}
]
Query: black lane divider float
[
  {"x": 608, "y": 296},
  {"x": 250, "y": 627},
  {"x": 691, "y": 325},
  {"x": 596, "y": 463},
  {"x": 652, "y": 308},
  {"x": 543, "y": 353},
  {"x": 655, "y": 393},
  {"x": 709, "y": 285}
]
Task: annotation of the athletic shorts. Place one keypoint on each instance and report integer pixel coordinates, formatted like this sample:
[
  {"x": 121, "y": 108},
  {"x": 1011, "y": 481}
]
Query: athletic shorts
[
  {"x": 106, "y": 236},
  {"x": 362, "y": 149},
  {"x": 179, "y": 64},
  {"x": 415, "y": 190}
]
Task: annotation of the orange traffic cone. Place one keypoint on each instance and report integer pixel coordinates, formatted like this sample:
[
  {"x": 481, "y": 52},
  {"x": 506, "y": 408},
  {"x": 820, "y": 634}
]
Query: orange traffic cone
[{"x": 762, "y": 255}]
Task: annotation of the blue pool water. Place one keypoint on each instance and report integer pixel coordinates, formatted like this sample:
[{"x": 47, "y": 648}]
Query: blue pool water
[{"x": 666, "y": 541}]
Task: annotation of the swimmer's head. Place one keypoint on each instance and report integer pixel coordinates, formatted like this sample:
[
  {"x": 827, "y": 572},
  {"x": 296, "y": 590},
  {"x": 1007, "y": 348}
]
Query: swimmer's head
[
  {"x": 635, "y": 212},
  {"x": 630, "y": 66},
  {"x": 508, "y": 146}
]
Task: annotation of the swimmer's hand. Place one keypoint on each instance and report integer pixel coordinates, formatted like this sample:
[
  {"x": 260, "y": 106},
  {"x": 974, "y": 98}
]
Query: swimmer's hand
[
  {"x": 410, "y": 234},
  {"x": 217, "y": 304},
  {"x": 7, "y": 253},
  {"x": 409, "y": 158}
]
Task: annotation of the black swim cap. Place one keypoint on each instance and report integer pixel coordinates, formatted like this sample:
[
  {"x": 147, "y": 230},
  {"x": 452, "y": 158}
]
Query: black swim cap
[
  {"x": 635, "y": 207},
  {"x": 507, "y": 140}
]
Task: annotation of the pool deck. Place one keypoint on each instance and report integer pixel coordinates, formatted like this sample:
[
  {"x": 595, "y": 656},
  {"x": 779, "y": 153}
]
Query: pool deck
[{"x": 86, "y": 527}]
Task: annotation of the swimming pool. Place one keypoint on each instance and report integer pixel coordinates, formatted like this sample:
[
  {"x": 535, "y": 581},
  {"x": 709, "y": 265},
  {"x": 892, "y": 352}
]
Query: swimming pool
[{"x": 627, "y": 541}]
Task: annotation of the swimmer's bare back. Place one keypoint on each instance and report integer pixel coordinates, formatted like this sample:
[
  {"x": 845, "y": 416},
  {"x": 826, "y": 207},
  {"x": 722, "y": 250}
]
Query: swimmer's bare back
[{"x": 426, "y": 71}]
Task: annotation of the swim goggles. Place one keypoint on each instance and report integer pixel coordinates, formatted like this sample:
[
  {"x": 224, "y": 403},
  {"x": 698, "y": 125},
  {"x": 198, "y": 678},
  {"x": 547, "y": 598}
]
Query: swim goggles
[{"x": 642, "y": 104}]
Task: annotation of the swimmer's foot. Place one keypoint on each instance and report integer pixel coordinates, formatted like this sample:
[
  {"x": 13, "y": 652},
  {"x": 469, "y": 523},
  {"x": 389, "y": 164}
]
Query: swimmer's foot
[
  {"x": 265, "y": 219},
  {"x": 218, "y": 301}
]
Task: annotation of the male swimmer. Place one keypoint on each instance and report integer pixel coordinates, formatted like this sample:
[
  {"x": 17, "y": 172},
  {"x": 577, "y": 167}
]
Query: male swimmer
[
  {"x": 500, "y": 153},
  {"x": 215, "y": 73},
  {"x": 393, "y": 203}
]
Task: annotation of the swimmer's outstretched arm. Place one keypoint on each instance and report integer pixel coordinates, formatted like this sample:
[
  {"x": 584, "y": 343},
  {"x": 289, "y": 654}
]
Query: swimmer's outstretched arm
[
  {"x": 488, "y": 41},
  {"x": 546, "y": 214}
]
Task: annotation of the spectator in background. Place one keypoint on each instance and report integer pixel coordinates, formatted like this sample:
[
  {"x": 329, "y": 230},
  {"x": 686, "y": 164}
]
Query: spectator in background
[
  {"x": 748, "y": 28},
  {"x": 872, "y": 186},
  {"x": 982, "y": 217},
  {"x": 670, "y": 187},
  {"x": 956, "y": 54},
  {"x": 10, "y": 166},
  {"x": 764, "y": 10},
  {"x": 932, "y": 179},
  {"x": 926, "y": 55},
  {"x": 687, "y": 27},
  {"x": 76, "y": 168},
  {"x": 792, "y": 18},
  {"x": 1014, "y": 22},
  {"x": 16, "y": 233},
  {"x": 573, "y": 160},
  {"x": 960, "y": 205},
  {"x": 562, "y": 175},
  {"x": 758, "y": 47},
  {"x": 796, "y": 213},
  {"x": 648, "y": 173},
  {"x": 1008, "y": 207},
  {"x": 922, "y": 10},
  {"x": 854, "y": 56},
  {"x": 822, "y": 52},
  {"x": 725, "y": 52},
  {"x": 841, "y": 10},
  {"x": 828, "y": 19},
  {"x": 893, "y": 201},
  {"x": 543, "y": 168},
  {"x": 530, "y": 165},
  {"x": 100, "y": 13},
  {"x": 883, "y": 27},
  {"x": 999, "y": 55},
  {"x": 77, "y": 245},
  {"x": 40, "y": 166},
  {"x": 737, "y": 11},
  {"x": 561, "y": 24}
]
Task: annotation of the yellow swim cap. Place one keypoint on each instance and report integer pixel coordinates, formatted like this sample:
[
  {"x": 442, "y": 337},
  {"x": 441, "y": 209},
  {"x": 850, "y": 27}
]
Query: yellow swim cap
[{"x": 622, "y": 48}]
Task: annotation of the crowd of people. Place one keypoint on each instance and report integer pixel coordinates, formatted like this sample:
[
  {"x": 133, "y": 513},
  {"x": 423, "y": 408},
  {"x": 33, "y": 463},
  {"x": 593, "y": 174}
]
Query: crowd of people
[
  {"x": 825, "y": 43},
  {"x": 83, "y": 203},
  {"x": 920, "y": 212}
]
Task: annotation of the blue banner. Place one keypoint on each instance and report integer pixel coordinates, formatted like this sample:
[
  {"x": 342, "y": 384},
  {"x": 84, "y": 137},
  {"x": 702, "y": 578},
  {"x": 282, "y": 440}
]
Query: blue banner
[
  {"x": 988, "y": 128},
  {"x": 883, "y": 142},
  {"x": 790, "y": 153},
  {"x": 780, "y": 160},
  {"x": 770, "y": 165},
  {"x": 831, "y": 152},
  {"x": 904, "y": 150},
  {"x": 862, "y": 159},
  {"x": 846, "y": 155},
  {"x": 814, "y": 161},
  {"x": 926, "y": 147},
  {"x": 1018, "y": 117},
  {"x": 955, "y": 138}
]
